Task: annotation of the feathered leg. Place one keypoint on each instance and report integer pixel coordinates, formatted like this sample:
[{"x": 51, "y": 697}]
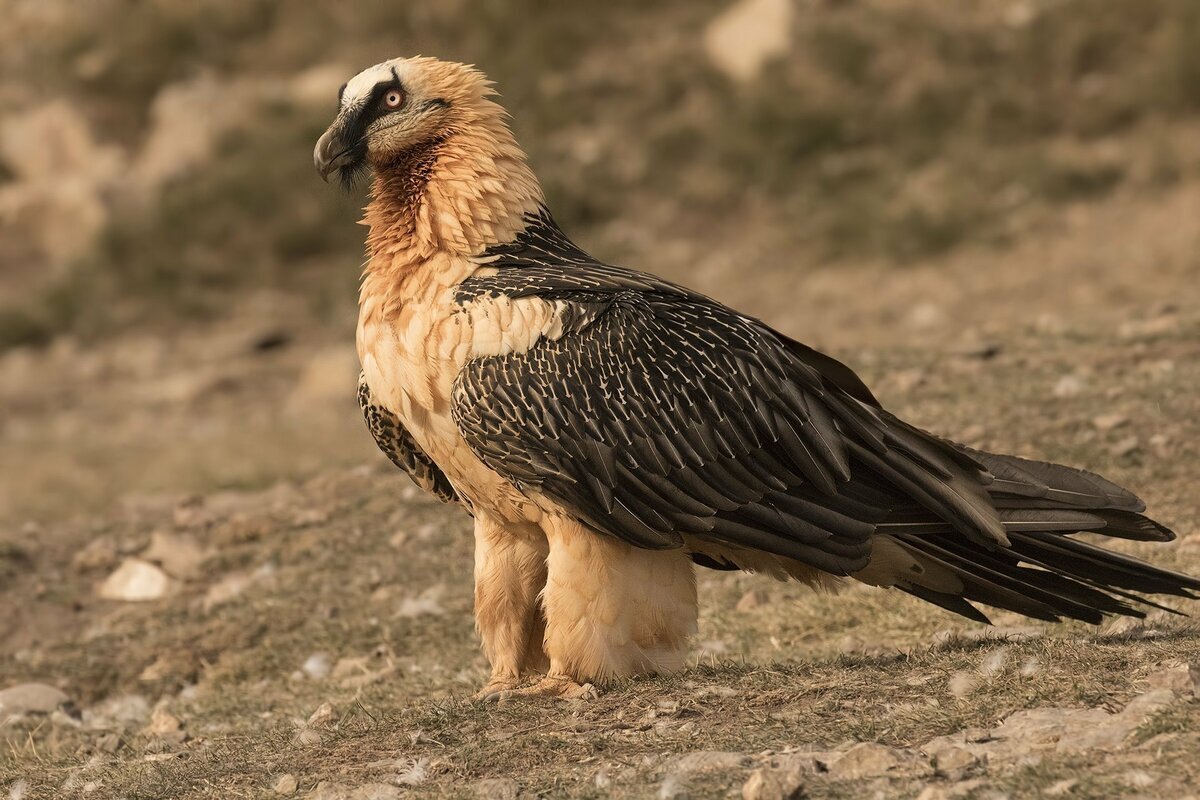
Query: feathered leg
[
  {"x": 510, "y": 571},
  {"x": 612, "y": 610}
]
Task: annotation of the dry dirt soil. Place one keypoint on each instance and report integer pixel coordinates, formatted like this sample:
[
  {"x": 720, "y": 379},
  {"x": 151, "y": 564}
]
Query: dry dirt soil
[
  {"x": 315, "y": 632},
  {"x": 990, "y": 210}
]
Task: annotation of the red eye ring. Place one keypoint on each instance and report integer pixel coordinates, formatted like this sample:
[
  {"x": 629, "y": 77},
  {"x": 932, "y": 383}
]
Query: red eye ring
[{"x": 393, "y": 99}]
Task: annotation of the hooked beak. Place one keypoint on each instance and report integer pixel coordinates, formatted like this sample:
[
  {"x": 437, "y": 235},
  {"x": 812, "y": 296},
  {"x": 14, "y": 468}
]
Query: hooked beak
[{"x": 332, "y": 153}]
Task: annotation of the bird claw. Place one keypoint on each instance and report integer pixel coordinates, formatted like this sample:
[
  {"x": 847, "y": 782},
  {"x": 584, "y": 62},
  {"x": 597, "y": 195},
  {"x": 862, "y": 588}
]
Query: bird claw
[
  {"x": 495, "y": 689},
  {"x": 558, "y": 687}
]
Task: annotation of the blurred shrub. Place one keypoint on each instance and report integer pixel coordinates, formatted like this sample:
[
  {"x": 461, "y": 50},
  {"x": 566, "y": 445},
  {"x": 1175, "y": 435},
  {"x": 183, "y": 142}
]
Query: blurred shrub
[{"x": 893, "y": 130}]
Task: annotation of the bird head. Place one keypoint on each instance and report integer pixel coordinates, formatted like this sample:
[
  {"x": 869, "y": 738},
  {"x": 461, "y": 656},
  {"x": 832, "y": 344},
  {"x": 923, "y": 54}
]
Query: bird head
[{"x": 391, "y": 109}]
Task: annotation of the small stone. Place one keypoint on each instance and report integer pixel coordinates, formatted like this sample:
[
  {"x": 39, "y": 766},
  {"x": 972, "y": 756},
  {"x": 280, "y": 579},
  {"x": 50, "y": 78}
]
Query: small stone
[
  {"x": 177, "y": 553},
  {"x": 1181, "y": 678},
  {"x": 497, "y": 789},
  {"x": 321, "y": 716},
  {"x": 99, "y": 553},
  {"x": 286, "y": 785},
  {"x": 749, "y": 33},
  {"x": 226, "y": 589},
  {"x": 166, "y": 726},
  {"x": 308, "y": 737},
  {"x": 31, "y": 698},
  {"x": 317, "y": 666},
  {"x": 1107, "y": 422},
  {"x": 755, "y": 598},
  {"x": 955, "y": 762},
  {"x": 136, "y": 581},
  {"x": 1069, "y": 386},
  {"x": 864, "y": 760},
  {"x": 118, "y": 712},
  {"x": 762, "y": 785}
]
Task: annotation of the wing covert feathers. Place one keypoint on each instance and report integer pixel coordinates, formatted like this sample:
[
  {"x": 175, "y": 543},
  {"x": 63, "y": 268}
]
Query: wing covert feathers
[
  {"x": 662, "y": 417},
  {"x": 398, "y": 445}
]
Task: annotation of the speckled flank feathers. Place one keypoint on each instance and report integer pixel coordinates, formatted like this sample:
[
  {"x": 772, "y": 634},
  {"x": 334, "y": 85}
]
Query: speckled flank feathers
[{"x": 610, "y": 430}]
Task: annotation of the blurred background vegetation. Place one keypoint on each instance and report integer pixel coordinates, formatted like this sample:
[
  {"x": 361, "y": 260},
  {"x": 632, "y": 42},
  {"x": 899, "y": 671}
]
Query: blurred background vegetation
[{"x": 155, "y": 156}]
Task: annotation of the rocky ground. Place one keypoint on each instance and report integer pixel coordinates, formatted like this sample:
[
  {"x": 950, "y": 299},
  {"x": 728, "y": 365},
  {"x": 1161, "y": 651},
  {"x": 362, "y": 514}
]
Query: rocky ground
[
  {"x": 268, "y": 609},
  {"x": 214, "y": 586}
]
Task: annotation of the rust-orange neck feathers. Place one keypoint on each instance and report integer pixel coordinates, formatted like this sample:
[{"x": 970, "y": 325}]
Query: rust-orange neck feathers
[{"x": 454, "y": 196}]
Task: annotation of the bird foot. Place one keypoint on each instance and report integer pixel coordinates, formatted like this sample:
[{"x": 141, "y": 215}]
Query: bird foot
[
  {"x": 495, "y": 688},
  {"x": 558, "y": 687}
]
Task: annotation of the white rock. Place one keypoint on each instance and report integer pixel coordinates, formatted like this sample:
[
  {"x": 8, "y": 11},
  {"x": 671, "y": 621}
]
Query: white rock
[
  {"x": 286, "y": 785},
  {"x": 744, "y": 37},
  {"x": 1069, "y": 386},
  {"x": 762, "y": 785},
  {"x": 321, "y": 716},
  {"x": 1181, "y": 678},
  {"x": 30, "y": 698},
  {"x": 673, "y": 787},
  {"x": 136, "y": 581},
  {"x": 117, "y": 712},
  {"x": 867, "y": 760},
  {"x": 317, "y": 666},
  {"x": 231, "y": 586}
]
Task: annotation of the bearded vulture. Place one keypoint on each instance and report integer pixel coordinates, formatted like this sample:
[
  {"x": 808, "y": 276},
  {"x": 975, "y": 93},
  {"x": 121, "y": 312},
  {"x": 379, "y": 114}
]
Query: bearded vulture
[{"x": 610, "y": 430}]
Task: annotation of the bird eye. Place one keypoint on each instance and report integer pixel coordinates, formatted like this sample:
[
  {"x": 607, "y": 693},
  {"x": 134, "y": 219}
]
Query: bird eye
[{"x": 393, "y": 99}]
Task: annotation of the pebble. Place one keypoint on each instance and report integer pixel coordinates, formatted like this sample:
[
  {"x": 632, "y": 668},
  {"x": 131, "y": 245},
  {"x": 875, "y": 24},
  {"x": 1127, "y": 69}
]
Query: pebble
[
  {"x": 1069, "y": 386},
  {"x": 318, "y": 666},
  {"x": 286, "y": 785},
  {"x": 308, "y": 737},
  {"x": 1181, "y": 678},
  {"x": 31, "y": 698},
  {"x": 136, "y": 581},
  {"x": 177, "y": 553},
  {"x": 321, "y": 716},
  {"x": 99, "y": 553},
  {"x": 955, "y": 762},
  {"x": 865, "y": 760},
  {"x": 763, "y": 785}
]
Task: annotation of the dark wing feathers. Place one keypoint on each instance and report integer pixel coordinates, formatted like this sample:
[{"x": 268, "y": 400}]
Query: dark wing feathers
[
  {"x": 398, "y": 445},
  {"x": 661, "y": 413}
]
